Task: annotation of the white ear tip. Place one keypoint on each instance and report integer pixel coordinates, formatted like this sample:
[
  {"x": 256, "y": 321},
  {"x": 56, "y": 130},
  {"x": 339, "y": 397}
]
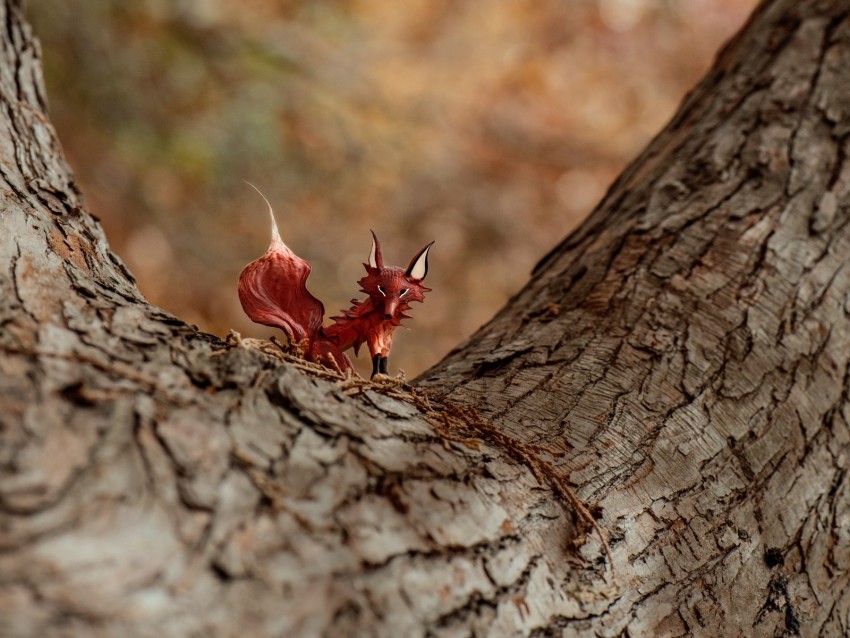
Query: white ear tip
[
  {"x": 420, "y": 266},
  {"x": 372, "y": 259}
]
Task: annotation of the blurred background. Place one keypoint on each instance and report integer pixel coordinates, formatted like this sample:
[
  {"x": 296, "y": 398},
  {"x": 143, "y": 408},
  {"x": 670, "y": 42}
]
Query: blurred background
[{"x": 492, "y": 126}]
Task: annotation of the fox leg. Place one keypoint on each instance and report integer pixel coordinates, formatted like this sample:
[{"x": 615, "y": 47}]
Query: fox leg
[{"x": 379, "y": 364}]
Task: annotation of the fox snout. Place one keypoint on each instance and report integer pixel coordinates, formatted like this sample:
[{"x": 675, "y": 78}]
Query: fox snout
[{"x": 390, "y": 306}]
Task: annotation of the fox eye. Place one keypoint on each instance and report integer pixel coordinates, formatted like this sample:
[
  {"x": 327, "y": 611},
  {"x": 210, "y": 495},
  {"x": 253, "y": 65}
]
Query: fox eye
[
  {"x": 381, "y": 290},
  {"x": 404, "y": 292}
]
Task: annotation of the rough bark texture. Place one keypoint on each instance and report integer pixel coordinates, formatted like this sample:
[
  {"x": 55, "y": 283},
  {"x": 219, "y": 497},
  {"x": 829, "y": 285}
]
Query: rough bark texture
[
  {"x": 685, "y": 354},
  {"x": 682, "y": 359}
]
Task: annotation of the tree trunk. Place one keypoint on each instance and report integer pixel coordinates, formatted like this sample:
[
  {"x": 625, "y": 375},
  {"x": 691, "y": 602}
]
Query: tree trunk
[{"x": 682, "y": 359}]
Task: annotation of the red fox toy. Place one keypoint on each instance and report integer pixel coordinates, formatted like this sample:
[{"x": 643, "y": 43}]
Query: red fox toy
[{"x": 273, "y": 292}]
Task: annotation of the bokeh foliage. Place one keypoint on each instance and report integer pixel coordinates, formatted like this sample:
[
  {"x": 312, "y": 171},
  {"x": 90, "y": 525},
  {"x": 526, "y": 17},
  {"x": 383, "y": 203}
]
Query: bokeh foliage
[{"x": 492, "y": 126}]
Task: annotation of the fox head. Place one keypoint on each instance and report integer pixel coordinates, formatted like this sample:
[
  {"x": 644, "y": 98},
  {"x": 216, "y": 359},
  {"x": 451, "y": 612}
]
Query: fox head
[{"x": 391, "y": 288}]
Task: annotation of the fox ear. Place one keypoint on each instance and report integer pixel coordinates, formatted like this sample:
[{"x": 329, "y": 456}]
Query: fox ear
[
  {"x": 418, "y": 267},
  {"x": 375, "y": 258}
]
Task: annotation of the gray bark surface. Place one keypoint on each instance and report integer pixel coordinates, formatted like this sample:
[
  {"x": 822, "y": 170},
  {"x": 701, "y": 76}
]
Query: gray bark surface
[{"x": 681, "y": 361}]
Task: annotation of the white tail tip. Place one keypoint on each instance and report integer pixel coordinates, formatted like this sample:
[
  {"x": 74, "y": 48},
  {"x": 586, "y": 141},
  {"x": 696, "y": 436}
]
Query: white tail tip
[{"x": 275, "y": 234}]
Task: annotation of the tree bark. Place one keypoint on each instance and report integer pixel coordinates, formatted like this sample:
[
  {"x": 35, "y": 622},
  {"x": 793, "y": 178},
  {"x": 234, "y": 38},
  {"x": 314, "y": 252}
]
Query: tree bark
[{"x": 682, "y": 359}]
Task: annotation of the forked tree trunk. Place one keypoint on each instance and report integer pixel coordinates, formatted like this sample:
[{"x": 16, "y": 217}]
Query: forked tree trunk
[{"x": 682, "y": 359}]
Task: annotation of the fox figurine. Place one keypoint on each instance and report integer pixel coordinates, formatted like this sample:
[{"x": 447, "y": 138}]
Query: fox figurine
[{"x": 273, "y": 292}]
